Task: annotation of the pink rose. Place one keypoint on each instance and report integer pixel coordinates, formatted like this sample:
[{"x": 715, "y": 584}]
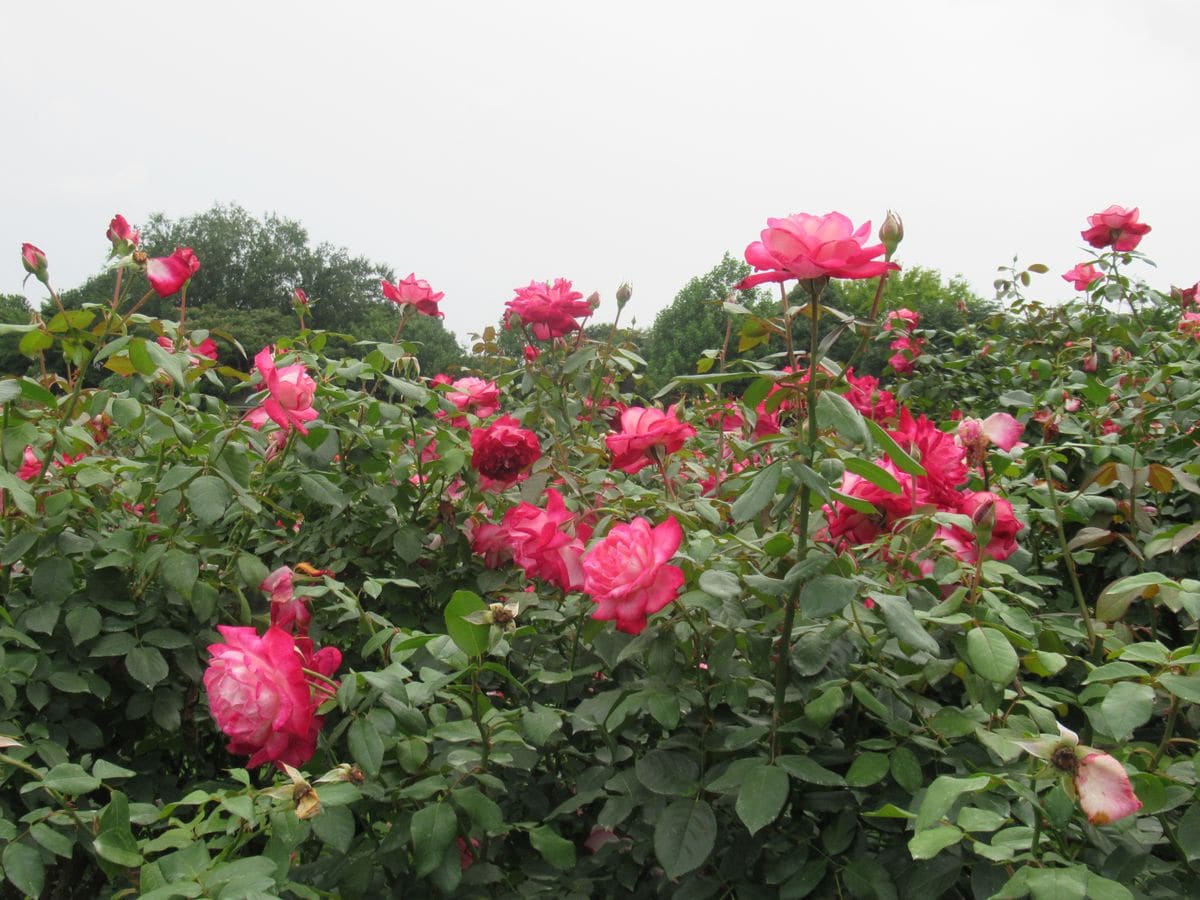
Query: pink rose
[
  {"x": 908, "y": 350},
  {"x": 1189, "y": 323},
  {"x": 31, "y": 466},
  {"x": 301, "y": 298},
  {"x": 550, "y": 311},
  {"x": 290, "y": 393},
  {"x": 414, "y": 292},
  {"x": 1100, "y": 781},
  {"x": 902, "y": 318},
  {"x": 943, "y": 459},
  {"x": 206, "y": 349},
  {"x": 806, "y": 247},
  {"x": 646, "y": 436},
  {"x": 124, "y": 237},
  {"x": 34, "y": 261},
  {"x": 847, "y": 525},
  {"x": 1083, "y": 276},
  {"x": 1116, "y": 227},
  {"x": 167, "y": 274},
  {"x": 981, "y": 506},
  {"x": 289, "y": 612},
  {"x": 262, "y": 699},
  {"x": 627, "y": 574},
  {"x": 503, "y": 452},
  {"x": 541, "y": 543},
  {"x": 475, "y": 395},
  {"x": 868, "y": 398},
  {"x": 975, "y": 436}
]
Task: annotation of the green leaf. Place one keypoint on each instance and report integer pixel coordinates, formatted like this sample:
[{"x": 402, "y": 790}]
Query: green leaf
[
  {"x": 366, "y": 746},
  {"x": 118, "y": 846},
  {"x": 887, "y": 443},
  {"x": 1125, "y": 707},
  {"x": 902, "y": 622},
  {"x": 1058, "y": 884},
  {"x": 69, "y": 778},
  {"x": 139, "y": 355},
  {"x": 761, "y": 797},
  {"x": 34, "y": 342},
  {"x": 335, "y": 825},
  {"x": 720, "y": 584},
  {"x": 471, "y": 639},
  {"x": 23, "y": 867},
  {"x": 83, "y": 623},
  {"x": 835, "y": 411},
  {"x": 1114, "y": 671},
  {"x": 1116, "y": 599},
  {"x": 826, "y": 595},
  {"x": 867, "y": 769},
  {"x": 867, "y": 879},
  {"x": 684, "y": 836},
  {"x": 484, "y": 812},
  {"x": 906, "y": 770},
  {"x": 991, "y": 655},
  {"x": 942, "y": 794},
  {"x": 106, "y": 771},
  {"x": 878, "y": 476},
  {"x": 146, "y": 665},
  {"x": 54, "y": 841},
  {"x": 932, "y": 841},
  {"x": 433, "y": 830},
  {"x": 1185, "y": 687},
  {"x": 53, "y": 579},
  {"x": 35, "y": 393},
  {"x": 760, "y": 492},
  {"x": 668, "y": 772},
  {"x": 179, "y": 571},
  {"x": 804, "y": 769},
  {"x": 322, "y": 490},
  {"x": 556, "y": 850},
  {"x": 209, "y": 497}
]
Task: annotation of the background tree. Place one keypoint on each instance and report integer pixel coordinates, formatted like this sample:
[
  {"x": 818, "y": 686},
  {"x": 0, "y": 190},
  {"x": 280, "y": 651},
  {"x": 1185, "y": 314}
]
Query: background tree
[{"x": 13, "y": 311}]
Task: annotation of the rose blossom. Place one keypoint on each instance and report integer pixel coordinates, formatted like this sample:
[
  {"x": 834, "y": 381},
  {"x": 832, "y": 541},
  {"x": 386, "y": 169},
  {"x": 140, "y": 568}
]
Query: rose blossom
[
  {"x": 981, "y": 506},
  {"x": 999, "y": 429},
  {"x": 550, "y": 311},
  {"x": 1189, "y": 323},
  {"x": 1083, "y": 276},
  {"x": 851, "y": 527},
  {"x": 124, "y": 237},
  {"x": 902, "y": 318},
  {"x": 288, "y": 611},
  {"x": 290, "y": 393},
  {"x": 261, "y": 697},
  {"x": 541, "y": 543},
  {"x": 806, "y": 247},
  {"x": 643, "y": 432},
  {"x": 206, "y": 348},
  {"x": 627, "y": 574},
  {"x": 475, "y": 395},
  {"x": 503, "y": 452},
  {"x": 943, "y": 459},
  {"x": 868, "y": 398},
  {"x": 31, "y": 466},
  {"x": 1100, "y": 781},
  {"x": 1116, "y": 227},
  {"x": 167, "y": 274},
  {"x": 414, "y": 292}
]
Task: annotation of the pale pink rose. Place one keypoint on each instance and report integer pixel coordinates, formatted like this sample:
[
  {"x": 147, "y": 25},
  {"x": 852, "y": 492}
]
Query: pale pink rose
[
  {"x": 475, "y": 395},
  {"x": 260, "y": 696},
  {"x": 902, "y": 318},
  {"x": 290, "y": 392},
  {"x": 414, "y": 292},
  {"x": 1105, "y": 794},
  {"x": 31, "y": 466},
  {"x": 548, "y": 310},
  {"x": 627, "y": 574},
  {"x": 167, "y": 274},
  {"x": 1083, "y": 276},
  {"x": 1116, "y": 227},
  {"x": 646, "y": 436},
  {"x": 806, "y": 247}
]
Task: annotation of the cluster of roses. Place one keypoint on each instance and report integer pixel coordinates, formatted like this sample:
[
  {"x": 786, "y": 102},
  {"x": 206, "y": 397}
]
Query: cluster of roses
[
  {"x": 947, "y": 460},
  {"x": 626, "y": 573},
  {"x": 1115, "y": 227},
  {"x": 264, "y": 690},
  {"x": 908, "y": 345}
]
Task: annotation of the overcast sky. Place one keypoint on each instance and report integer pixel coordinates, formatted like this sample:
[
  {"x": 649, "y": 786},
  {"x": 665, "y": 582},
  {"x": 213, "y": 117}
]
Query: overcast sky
[{"x": 482, "y": 144}]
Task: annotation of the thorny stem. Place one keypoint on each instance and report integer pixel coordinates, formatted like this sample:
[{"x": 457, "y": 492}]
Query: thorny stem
[
  {"x": 1069, "y": 560},
  {"x": 720, "y": 469},
  {"x": 1172, "y": 715}
]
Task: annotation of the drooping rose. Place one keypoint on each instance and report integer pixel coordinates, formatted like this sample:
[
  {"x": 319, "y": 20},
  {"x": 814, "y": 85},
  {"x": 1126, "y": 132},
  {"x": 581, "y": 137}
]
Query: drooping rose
[
  {"x": 124, "y": 237},
  {"x": 646, "y": 436},
  {"x": 504, "y": 451},
  {"x": 542, "y": 543},
  {"x": 414, "y": 292},
  {"x": 35, "y": 263},
  {"x": 167, "y": 274},
  {"x": 1099, "y": 780},
  {"x": 290, "y": 393},
  {"x": 260, "y": 696},
  {"x": 549, "y": 310},
  {"x": 627, "y": 574},
  {"x": 1115, "y": 227},
  {"x": 806, "y": 247},
  {"x": 1083, "y": 276},
  {"x": 289, "y": 612}
]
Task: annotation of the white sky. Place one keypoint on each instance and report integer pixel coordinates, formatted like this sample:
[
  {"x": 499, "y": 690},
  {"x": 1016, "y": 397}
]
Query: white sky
[{"x": 482, "y": 144}]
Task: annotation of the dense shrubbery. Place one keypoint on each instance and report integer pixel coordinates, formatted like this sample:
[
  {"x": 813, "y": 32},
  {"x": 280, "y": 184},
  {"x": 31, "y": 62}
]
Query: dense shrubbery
[{"x": 520, "y": 634}]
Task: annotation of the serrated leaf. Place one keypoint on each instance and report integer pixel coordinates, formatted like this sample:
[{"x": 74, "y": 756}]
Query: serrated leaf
[
  {"x": 684, "y": 836},
  {"x": 471, "y": 639},
  {"x": 146, "y": 665},
  {"x": 991, "y": 655},
  {"x": 761, "y": 797},
  {"x": 433, "y": 830},
  {"x": 758, "y": 494},
  {"x": 903, "y": 623},
  {"x": 932, "y": 841},
  {"x": 209, "y": 497},
  {"x": 179, "y": 571},
  {"x": 24, "y": 868},
  {"x": 942, "y": 794},
  {"x": 366, "y": 745}
]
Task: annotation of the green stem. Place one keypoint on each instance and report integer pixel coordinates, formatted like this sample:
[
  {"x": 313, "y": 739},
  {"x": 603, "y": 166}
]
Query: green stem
[{"x": 1069, "y": 560}]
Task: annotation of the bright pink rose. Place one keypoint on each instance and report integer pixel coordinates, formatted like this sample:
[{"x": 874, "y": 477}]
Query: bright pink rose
[
  {"x": 541, "y": 544},
  {"x": 301, "y": 298},
  {"x": 1189, "y": 323},
  {"x": 290, "y": 393},
  {"x": 902, "y": 318},
  {"x": 31, "y": 466},
  {"x": 531, "y": 353},
  {"x": 124, "y": 237},
  {"x": 627, "y": 574},
  {"x": 1083, "y": 276},
  {"x": 414, "y": 292},
  {"x": 908, "y": 350},
  {"x": 261, "y": 697},
  {"x": 975, "y": 436},
  {"x": 868, "y": 398},
  {"x": 805, "y": 247},
  {"x": 34, "y": 261},
  {"x": 943, "y": 459},
  {"x": 503, "y": 452},
  {"x": 491, "y": 542},
  {"x": 1117, "y": 227},
  {"x": 289, "y": 612},
  {"x": 984, "y": 506},
  {"x": 207, "y": 349},
  {"x": 167, "y": 274},
  {"x": 550, "y": 311},
  {"x": 646, "y": 436},
  {"x": 850, "y": 527},
  {"x": 475, "y": 395}
]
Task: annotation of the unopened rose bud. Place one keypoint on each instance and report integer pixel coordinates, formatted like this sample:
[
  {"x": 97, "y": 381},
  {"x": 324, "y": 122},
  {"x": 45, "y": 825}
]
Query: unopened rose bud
[
  {"x": 594, "y": 300},
  {"x": 891, "y": 233},
  {"x": 124, "y": 237},
  {"x": 985, "y": 516},
  {"x": 624, "y": 292},
  {"x": 34, "y": 261},
  {"x": 301, "y": 298}
]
